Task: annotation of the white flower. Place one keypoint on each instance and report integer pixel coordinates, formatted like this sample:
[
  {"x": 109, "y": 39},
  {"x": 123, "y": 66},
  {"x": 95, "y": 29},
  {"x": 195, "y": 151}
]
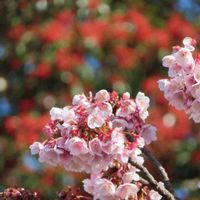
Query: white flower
[
  {"x": 189, "y": 43},
  {"x": 162, "y": 84},
  {"x": 96, "y": 119},
  {"x": 149, "y": 133},
  {"x": 184, "y": 58},
  {"x": 127, "y": 190},
  {"x": 68, "y": 114},
  {"x": 56, "y": 113},
  {"x": 81, "y": 100},
  {"x": 142, "y": 100},
  {"x": 104, "y": 188},
  {"x": 95, "y": 146},
  {"x": 88, "y": 186},
  {"x": 77, "y": 146},
  {"x": 154, "y": 195},
  {"x": 131, "y": 175},
  {"x": 126, "y": 96},
  {"x": 168, "y": 61},
  {"x": 135, "y": 156},
  {"x": 128, "y": 107},
  {"x": 102, "y": 96},
  {"x": 36, "y": 147}
]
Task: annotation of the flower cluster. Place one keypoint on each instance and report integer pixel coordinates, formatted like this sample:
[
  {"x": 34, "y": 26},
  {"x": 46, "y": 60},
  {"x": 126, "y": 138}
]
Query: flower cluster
[
  {"x": 18, "y": 194},
  {"x": 122, "y": 183},
  {"x": 182, "y": 90},
  {"x": 94, "y": 131}
]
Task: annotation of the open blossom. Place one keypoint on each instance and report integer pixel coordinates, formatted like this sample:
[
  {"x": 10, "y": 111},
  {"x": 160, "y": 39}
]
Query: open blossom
[
  {"x": 77, "y": 146},
  {"x": 127, "y": 107},
  {"x": 95, "y": 146},
  {"x": 149, "y": 133},
  {"x": 131, "y": 175},
  {"x": 106, "y": 188},
  {"x": 153, "y": 195},
  {"x": 100, "y": 188},
  {"x": 56, "y": 113},
  {"x": 68, "y": 115},
  {"x": 182, "y": 89},
  {"x": 136, "y": 157},
  {"x": 96, "y": 131},
  {"x": 127, "y": 190},
  {"x": 35, "y": 148},
  {"x": 142, "y": 102},
  {"x": 96, "y": 119},
  {"x": 102, "y": 96}
]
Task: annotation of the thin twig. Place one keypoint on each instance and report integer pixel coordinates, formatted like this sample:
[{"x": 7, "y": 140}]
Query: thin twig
[
  {"x": 160, "y": 169},
  {"x": 144, "y": 181},
  {"x": 162, "y": 190}
]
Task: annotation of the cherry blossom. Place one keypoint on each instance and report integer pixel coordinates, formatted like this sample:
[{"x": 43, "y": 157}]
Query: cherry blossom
[
  {"x": 119, "y": 185},
  {"x": 148, "y": 133},
  {"x": 96, "y": 133},
  {"x": 127, "y": 190},
  {"x": 153, "y": 195},
  {"x": 182, "y": 88}
]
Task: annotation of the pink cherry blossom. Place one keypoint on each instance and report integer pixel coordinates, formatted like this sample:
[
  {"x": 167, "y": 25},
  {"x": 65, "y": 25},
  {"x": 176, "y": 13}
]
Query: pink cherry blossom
[
  {"x": 68, "y": 115},
  {"x": 182, "y": 89},
  {"x": 77, "y": 146},
  {"x": 127, "y": 107},
  {"x": 153, "y": 195},
  {"x": 94, "y": 132},
  {"x": 131, "y": 175},
  {"x": 126, "y": 96},
  {"x": 168, "y": 61},
  {"x": 189, "y": 43},
  {"x": 89, "y": 184},
  {"x": 127, "y": 190},
  {"x": 104, "y": 189},
  {"x": 48, "y": 156},
  {"x": 105, "y": 109},
  {"x": 95, "y": 146},
  {"x": 184, "y": 58},
  {"x": 36, "y": 147},
  {"x": 120, "y": 123},
  {"x": 96, "y": 119},
  {"x": 136, "y": 156},
  {"x": 142, "y": 102},
  {"x": 148, "y": 133},
  {"x": 102, "y": 96},
  {"x": 56, "y": 113},
  {"x": 79, "y": 99}
]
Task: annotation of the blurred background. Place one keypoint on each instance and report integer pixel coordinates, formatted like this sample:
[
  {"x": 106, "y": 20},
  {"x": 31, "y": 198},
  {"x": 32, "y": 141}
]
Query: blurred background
[{"x": 53, "y": 49}]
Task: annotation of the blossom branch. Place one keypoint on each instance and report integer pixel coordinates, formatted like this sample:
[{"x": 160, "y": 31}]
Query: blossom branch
[
  {"x": 159, "y": 167},
  {"x": 162, "y": 190},
  {"x": 144, "y": 181}
]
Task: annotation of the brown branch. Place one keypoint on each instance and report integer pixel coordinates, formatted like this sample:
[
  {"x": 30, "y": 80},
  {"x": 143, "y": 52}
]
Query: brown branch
[
  {"x": 162, "y": 190},
  {"x": 144, "y": 181},
  {"x": 160, "y": 169}
]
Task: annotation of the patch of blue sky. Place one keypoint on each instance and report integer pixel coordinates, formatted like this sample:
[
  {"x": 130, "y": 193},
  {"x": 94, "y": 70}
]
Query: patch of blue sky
[
  {"x": 190, "y": 8},
  {"x": 31, "y": 162},
  {"x": 92, "y": 62},
  {"x": 182, "y": 193},
  {"x": 5, "y": 107},
  {"x": 2, "y": 51}
]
